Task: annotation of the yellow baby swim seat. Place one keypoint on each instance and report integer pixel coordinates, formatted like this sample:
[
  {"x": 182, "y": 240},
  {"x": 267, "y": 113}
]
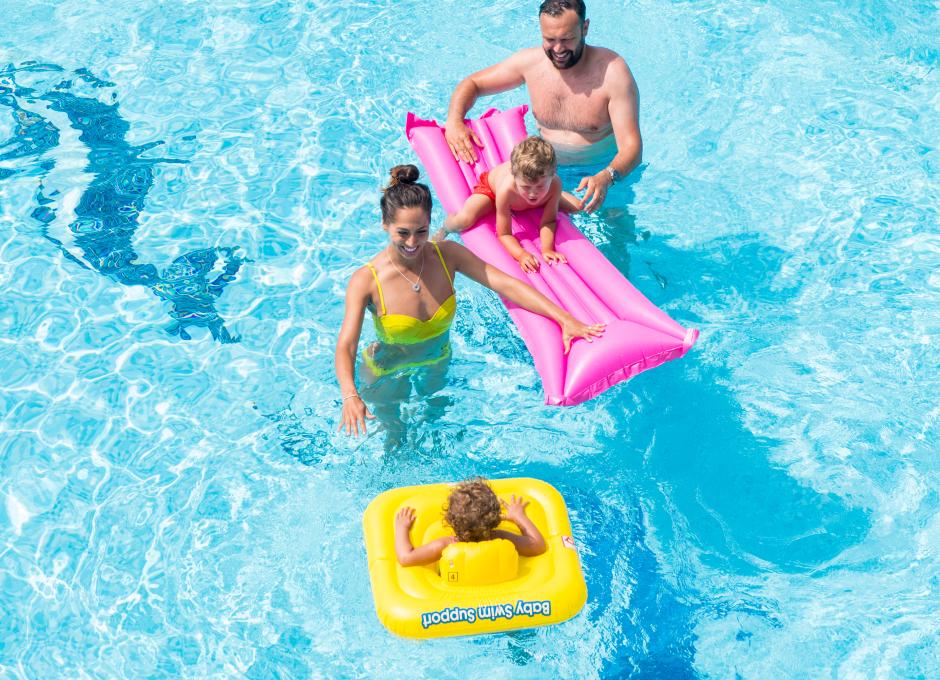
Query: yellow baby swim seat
[{"x": 475, "y": 588}]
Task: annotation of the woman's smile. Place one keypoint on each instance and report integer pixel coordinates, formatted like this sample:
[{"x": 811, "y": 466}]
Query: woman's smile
[{"x": 409, "y": 231}]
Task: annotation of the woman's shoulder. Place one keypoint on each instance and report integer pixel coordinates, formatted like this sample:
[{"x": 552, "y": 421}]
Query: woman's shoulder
[
  {"x": 451, "y": 250},
  {"x": 363, "y": 278},
  {"x": 375, "y": 263}
]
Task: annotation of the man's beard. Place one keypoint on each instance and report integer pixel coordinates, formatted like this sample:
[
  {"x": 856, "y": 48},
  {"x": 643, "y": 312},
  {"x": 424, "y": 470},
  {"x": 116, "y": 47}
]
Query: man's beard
[{"x": 570, "y": 59}]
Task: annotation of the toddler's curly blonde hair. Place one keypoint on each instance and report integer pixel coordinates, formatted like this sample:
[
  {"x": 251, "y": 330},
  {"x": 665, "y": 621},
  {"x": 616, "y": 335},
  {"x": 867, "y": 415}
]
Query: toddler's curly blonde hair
[
  {"x": 472, "y": 510},
  {"x": 533, "y": 158}
]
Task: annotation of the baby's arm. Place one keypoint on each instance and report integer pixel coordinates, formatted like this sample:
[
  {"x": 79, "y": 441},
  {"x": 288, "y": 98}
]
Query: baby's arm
[
  {"x": 407, "y": 554},
  {"x": 569, "y": 203},
  {"x": 504, "y": 231},
  {"x": 549, "y": 224},
  {"x": 530, "y": 543}
]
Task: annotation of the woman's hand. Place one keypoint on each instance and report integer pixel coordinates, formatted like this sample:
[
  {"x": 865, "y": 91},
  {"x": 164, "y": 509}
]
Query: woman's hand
[
  {"x": 355, "y": 414},
  {"x": 572, "y": 328}
]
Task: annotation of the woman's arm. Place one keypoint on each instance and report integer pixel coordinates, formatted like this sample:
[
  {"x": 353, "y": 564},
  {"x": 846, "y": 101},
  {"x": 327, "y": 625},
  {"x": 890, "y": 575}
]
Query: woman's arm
[
  {"x": 522, "y": 294},
  {"x": 407, "y": 554},
  {"x": 355, "y": 412}
]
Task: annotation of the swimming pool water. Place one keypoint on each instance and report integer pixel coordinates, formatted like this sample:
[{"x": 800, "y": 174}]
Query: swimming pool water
[{"x": 184, "y": 190}]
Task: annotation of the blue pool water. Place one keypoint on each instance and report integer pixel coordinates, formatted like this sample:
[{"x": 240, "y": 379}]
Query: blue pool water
[{"x": 184, "y": 190}]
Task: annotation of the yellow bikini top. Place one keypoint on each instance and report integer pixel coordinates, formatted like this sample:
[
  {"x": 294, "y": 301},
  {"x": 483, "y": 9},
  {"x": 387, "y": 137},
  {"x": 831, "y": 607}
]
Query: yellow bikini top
[{"x": 401, "y": 329}]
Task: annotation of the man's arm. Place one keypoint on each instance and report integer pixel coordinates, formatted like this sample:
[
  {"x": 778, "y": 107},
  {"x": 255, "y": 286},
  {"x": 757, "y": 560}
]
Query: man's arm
[
  {"x": 500, "y": 77},
  {"x": 624, "y": 110}
]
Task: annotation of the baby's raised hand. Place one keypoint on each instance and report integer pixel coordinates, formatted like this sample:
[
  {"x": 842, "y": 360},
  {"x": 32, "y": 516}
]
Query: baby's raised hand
[
  {"x": 554, "y": 257},
  {"x": 405, "y": 519},
  {"x": 528, "y": 263},
  {"x": 515, "y": 508}
]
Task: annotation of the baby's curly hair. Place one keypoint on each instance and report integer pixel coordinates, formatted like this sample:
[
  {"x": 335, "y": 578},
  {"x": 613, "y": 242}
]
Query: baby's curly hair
[{"x": 472, "y": 510}]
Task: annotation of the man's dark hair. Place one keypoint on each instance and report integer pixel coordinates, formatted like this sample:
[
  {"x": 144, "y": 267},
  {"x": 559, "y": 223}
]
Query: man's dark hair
[{"x": 555, "y": 8}]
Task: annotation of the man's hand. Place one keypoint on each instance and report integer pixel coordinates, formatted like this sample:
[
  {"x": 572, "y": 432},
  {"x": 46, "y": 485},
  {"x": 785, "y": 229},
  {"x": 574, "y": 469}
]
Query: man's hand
[
  {"x": 461, "y": 139},
  {"x": 595, "y": 190}
]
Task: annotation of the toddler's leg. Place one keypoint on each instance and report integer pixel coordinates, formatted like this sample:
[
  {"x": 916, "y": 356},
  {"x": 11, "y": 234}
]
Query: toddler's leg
[{"x": 476, "y": 206}]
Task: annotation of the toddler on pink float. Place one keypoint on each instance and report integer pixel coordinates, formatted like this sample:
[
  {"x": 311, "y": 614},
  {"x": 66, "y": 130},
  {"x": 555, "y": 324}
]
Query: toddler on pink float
[{"x": 527, "y": 181}]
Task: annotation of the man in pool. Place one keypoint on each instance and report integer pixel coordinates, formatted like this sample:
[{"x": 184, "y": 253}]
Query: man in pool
[{"x": 584, "y": 99}]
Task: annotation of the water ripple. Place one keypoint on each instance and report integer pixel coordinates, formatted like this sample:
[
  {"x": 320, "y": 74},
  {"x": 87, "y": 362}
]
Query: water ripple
[{"x": 186, "y": 508}]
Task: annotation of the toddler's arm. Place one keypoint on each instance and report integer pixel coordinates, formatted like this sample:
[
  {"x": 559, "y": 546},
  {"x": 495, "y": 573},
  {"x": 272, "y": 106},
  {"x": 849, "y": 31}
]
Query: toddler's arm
[
  {"x": 549, "y": 224},
  {"x": 504, "y": 232},
  {"x": 407, "y": 554},
  {"x": 531, "y": 542}
]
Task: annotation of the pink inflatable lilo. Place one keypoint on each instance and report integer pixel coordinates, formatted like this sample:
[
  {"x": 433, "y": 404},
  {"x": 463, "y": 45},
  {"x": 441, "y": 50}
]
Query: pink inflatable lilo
[{"x": 639, "y": 335}]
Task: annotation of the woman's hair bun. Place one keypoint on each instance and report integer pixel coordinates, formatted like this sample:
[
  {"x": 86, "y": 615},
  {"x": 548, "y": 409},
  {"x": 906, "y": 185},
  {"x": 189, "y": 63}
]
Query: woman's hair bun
[
  {"x": 404, "y": 174},
  {"x": 404, "y": 191}
]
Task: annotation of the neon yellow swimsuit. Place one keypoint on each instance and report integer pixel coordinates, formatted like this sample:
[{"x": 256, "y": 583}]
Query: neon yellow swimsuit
[{"x": 401, "y": 329}]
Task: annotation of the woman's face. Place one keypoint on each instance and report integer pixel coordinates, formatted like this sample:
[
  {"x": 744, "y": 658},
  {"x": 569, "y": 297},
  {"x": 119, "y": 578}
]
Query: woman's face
[{"x": 408, "y": 231}]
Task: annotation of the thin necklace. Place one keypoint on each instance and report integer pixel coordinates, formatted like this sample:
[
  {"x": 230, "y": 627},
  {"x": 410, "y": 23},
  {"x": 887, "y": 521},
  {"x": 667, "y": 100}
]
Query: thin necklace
[{"x": 416, "y": 284}]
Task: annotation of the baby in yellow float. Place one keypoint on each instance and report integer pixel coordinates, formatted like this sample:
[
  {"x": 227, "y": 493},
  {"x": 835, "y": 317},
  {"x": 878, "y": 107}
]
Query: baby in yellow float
[{"x": 474, "y": 512}]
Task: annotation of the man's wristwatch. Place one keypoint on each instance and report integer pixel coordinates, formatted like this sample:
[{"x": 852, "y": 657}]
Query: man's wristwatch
[{"x": 614, "y": 175}]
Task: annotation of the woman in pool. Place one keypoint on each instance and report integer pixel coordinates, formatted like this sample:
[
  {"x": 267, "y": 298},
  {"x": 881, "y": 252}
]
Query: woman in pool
[{"x": 409, "y": 289}]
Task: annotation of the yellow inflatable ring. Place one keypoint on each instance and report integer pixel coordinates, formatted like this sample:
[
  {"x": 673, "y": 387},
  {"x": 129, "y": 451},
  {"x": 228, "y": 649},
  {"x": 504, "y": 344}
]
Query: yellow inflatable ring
[{"x": 458, "y": 595}]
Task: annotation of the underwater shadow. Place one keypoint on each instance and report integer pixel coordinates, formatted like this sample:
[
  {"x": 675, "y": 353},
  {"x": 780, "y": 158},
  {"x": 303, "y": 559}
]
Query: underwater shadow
[
  {"x": 612, "y": 227},
  {"x": 98, "y": 232},
  {"x": 746, "y": 512}
]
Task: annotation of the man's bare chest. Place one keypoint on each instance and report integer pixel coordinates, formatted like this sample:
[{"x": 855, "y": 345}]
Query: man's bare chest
[{"x": 580, "y": 106}]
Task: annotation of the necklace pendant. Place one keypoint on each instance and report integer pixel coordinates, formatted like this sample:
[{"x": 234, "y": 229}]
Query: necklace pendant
[{"x": 416, "y": 287}]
